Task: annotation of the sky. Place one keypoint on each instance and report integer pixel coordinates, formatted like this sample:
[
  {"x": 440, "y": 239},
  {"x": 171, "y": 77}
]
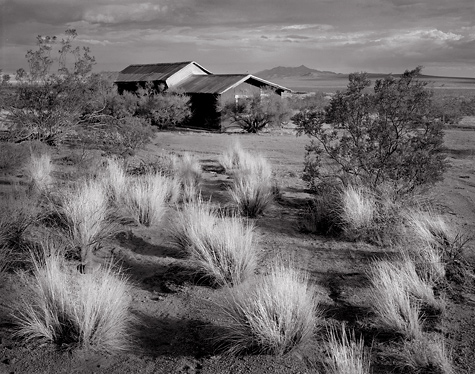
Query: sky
[{"x": 239, "y": 36}]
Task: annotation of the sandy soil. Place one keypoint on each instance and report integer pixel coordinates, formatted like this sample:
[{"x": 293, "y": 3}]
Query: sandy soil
[{"x": 176, "y": 315}]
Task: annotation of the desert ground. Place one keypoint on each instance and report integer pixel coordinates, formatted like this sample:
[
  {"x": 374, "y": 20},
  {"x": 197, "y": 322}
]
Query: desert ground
[{"x": 176, "y": 314}]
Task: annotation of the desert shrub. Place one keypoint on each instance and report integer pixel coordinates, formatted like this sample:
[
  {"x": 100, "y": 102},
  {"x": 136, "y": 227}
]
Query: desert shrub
[
  {"x": 47, "y": 107},
  {"x": 85, "y": 211},
  {"x": 394, "y": 137},
  {"x": 311, "y": 100},
  {"x": 395, "y": 309},
  {"x": 223, "y": 249},
  {"x": 170, "y": 109},
  {"x": 275, "y": 313},
  {"x": 347, "y": 354},
  {"x": 257, "y": 111},
  {"x": 73, "y": 310},
  {"x": 252, "y": 194},
  {"x": 423, "y": 355},
  {"x": 39, "y": 168},
  {"x": 148, "y": 197}
]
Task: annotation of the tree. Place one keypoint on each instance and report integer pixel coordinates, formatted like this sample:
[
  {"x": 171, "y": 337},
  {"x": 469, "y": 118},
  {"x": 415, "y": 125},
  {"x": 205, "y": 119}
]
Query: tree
[
  {"x": 255, "y": 112},
  {"x": 385, "y": 136},
  {"x": 48, "y": 106}
]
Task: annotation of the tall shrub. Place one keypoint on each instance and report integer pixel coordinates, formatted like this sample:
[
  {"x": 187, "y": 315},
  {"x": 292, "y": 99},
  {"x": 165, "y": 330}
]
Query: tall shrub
[{"x": 387, "y": 135}]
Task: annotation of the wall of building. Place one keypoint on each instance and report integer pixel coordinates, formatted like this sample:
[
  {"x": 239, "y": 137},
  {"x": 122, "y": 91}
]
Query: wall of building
[{"x": 204, "y": 111}]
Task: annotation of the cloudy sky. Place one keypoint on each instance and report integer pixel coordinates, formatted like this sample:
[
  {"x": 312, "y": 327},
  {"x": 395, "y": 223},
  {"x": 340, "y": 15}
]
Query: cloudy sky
[{"x": 250, "y": 35}]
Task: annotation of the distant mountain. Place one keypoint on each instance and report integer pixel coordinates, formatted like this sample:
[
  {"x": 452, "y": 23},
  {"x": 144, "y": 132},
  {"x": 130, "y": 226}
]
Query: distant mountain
[{"x": 301, "y": 71}]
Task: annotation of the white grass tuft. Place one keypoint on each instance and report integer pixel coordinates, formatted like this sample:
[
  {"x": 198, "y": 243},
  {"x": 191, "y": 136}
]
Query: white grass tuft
[
  {"x": 275, "y": 313},
  {"x": 221, "y": 248},
  {"x": 148, "y": 197},
  {"x": 252, "y": 194},
  {"x": 85, "y": 209},
  {"x": 39, "y": 168},
  {"x": 347, "y": 355},
  {"x": 428, "y": 236},
  {"x": 115, "y": 179},
  {"x": 358, "y": 209},
  {"x": 424, "y": 355},
  {"x": 396, "y": 310},
  {"x": 74, "y": 310},
  {"x": 419, "y": 289},
  {"x": 236, "y": 158},
  {"x": 187, "y": 170},
  {"x": 428, "y": 227}
]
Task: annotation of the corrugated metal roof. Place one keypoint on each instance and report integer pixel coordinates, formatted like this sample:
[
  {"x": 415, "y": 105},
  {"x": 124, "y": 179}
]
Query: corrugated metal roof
[
  {"x": 210, "y": 83},
  {"x": 220, "y": 83},
  {"x": 153, "y": 72}
]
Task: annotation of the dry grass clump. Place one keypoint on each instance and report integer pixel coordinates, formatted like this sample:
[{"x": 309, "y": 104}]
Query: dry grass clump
[
  {"x": 73, "y": 310},
  {"x": 39, "y": 169},
  {"x": 148, "y": 196},
  {"x": 423, "y": 355},
  {"x": 187, "y": 170},
  {"x": 358, "y": 210},
  {"x": 420, "y": 290},
  {"x": 427, "y": 237},
  {"x": 115, "y": 179},
  {"x": 396, "y": 310},
  {"x": 252, "y": 194},
  {"x": 274, "y": 314},
  {"x": 85, "y": 210},
  {"x": 236, "y": 158},
  {"x": 221, "y": 248},
  {"x": 347, "y": 354},
  {"x": 252, "y": 189}
]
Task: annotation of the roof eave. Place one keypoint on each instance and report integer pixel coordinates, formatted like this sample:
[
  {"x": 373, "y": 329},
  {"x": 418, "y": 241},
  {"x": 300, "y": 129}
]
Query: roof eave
[{"x": 257, "y": 79}]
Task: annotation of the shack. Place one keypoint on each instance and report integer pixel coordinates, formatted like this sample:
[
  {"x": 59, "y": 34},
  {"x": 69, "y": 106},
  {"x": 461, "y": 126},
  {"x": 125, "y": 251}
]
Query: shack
[{"x": 206, "y": 90}]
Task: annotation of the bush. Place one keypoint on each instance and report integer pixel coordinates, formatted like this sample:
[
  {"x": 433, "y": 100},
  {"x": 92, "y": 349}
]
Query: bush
[
  {"x": 73, "y": 310},
  {"x": 255, "y": 112},
  {"x": 223, "y": 249},
  {"x": 275, "y": 313},
  {"x": 394, "y": 137}
]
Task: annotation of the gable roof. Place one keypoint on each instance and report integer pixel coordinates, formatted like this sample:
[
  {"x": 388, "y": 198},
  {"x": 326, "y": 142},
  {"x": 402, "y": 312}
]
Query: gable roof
[
  {"x": 220, "y": 83},
  {"x": 154, "y": 72}
]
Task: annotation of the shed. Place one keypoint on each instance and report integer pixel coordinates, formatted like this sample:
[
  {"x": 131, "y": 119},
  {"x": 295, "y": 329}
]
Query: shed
[{"x": 205, "y": 89}]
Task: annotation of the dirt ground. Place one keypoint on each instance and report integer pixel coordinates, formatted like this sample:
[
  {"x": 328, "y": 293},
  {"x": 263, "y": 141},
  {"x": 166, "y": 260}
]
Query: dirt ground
[{"x": 176, "y": 315}]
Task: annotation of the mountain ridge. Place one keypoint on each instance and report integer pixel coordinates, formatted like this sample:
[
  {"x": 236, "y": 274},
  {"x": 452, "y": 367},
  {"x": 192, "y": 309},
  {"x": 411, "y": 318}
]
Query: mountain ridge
[{"x": 297, "y": 71}]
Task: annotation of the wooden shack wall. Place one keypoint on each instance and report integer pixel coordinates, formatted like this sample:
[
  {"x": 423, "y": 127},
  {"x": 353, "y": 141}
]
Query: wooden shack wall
[{"x": 204, "y": 111}]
